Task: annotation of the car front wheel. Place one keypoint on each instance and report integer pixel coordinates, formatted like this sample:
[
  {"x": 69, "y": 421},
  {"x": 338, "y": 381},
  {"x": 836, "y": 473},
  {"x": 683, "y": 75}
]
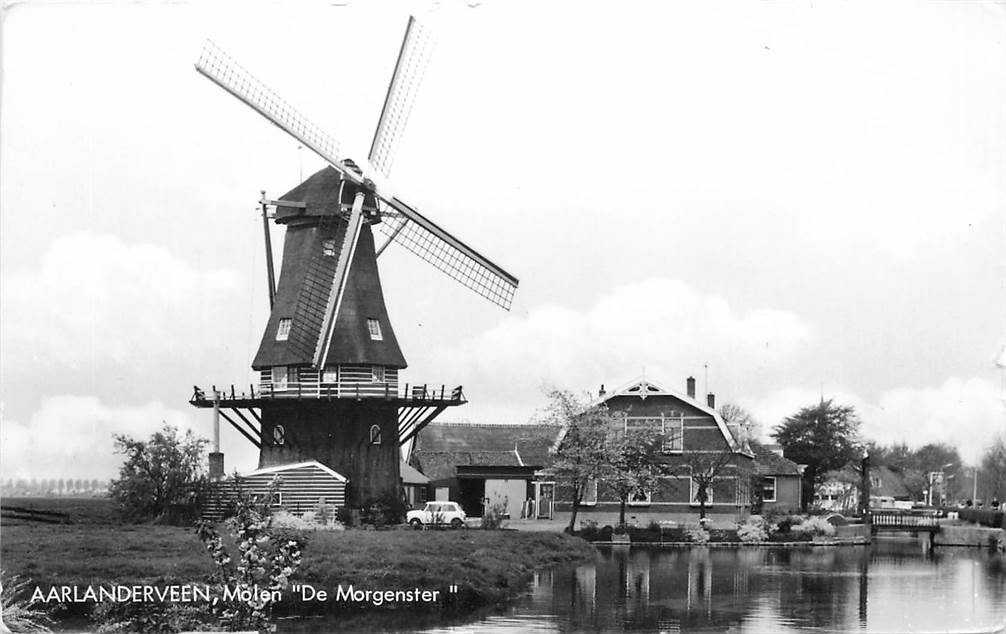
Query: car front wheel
[
  {"x": 416, "y": 523},
  {"x": 457, "y": 523}
]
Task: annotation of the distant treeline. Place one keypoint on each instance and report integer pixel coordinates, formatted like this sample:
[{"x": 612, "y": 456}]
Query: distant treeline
[{"x": 12, "y": 487}]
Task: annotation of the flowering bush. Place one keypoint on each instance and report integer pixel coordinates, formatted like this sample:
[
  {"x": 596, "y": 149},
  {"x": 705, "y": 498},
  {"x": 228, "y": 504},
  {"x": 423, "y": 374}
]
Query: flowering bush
[
  {"x": 814, "y": 526},
  {"x": 306, "y": 522},
  {"x": 263, "y": 565},
  {"x": 19, "y": 612},
  {"x": 697, "y": 534},
  {"x": 755, "y": 529},
  {"x": 492, "y": 518}
]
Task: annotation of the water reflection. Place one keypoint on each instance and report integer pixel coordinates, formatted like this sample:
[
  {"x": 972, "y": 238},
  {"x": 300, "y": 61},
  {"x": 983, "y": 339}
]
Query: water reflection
[{"x": 887, "y": 587}]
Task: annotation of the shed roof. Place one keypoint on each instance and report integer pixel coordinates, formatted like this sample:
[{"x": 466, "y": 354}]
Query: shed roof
[
  {"x": 411, "y": 476},
  {"x": 767, "y": 462},
  {"x": 441, "y": 447}
]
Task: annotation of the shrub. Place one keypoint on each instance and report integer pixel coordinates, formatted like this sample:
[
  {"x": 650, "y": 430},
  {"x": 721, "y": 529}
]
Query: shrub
[
  {"x": 307, "y": 522},
  {"x": 697, "y": 534},
  {"x": 589, "y": 531},
  {"x": 492, "y": 517},
  {"x": 754, "y": 529},
  {"x": 814, "y": 526},
  {"x": 384, "y": 510}
]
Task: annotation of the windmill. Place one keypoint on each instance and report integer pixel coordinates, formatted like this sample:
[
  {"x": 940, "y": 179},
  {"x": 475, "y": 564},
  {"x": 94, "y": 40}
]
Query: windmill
[{"x": 328, "y": 361}]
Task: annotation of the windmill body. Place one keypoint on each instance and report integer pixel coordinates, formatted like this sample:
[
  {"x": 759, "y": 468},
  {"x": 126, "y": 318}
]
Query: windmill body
[
  {"x": 329, "y": 360},
  {"x": 356, "y": 437}
]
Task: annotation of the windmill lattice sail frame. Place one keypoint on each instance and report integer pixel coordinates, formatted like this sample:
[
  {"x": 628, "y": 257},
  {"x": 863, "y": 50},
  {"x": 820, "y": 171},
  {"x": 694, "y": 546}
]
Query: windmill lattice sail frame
[{"x": 417, "y": 233}]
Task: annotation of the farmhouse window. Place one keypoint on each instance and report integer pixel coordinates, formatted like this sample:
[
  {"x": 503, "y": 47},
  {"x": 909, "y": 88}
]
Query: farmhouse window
[
  {"x": 694, "y": 492},
  {"x": 283, "y": 331},
  {"x": 375, "y": 435},
  {"x": 328, "y": 248},
  {"x": 768, "y": 489},
  {"x": 671, "y": 429},
  {"x": 374, "y": 328},
  {"x": 674, "y": 433},
  {"x": 641, "y": 497}
]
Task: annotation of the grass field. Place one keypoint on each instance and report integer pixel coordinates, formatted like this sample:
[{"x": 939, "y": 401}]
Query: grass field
[{"x": 487, "y": 566}]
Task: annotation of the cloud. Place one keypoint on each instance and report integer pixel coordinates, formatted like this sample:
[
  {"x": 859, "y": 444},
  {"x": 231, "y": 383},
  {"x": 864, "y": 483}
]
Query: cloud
[
  {"x": 660, "y": 324},
  {"x": 964, "y": 412},
  {"x": 71, "y": 436},
  {"x": 95, "y": 300}
]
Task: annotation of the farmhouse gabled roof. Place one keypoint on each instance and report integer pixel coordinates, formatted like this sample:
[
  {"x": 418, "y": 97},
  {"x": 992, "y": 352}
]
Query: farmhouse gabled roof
[{"x": 644, "y": 387}]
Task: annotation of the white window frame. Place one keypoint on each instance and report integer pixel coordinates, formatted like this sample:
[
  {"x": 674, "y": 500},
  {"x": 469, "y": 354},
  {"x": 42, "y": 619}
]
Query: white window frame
[
  {"x": 375, "y": 438},
  {"x": 590, "y": 488},
  {"x": 646, "y": 502},
  {"x": 775, "y": 491},
  {"x": 330, "y": 374},
  {"x": 283, "y": 328},
  {"x": 374, "y": 328},
  {"x": 280, "y": 377},
  {"x": 693, "y": 491},
  {"x": 377, "y": 374},
  {"x": 669, "y": 425}
]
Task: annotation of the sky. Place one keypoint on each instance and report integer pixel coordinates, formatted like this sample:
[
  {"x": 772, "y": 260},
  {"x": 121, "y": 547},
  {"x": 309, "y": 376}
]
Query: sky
[{"x": 783, "y": 200}]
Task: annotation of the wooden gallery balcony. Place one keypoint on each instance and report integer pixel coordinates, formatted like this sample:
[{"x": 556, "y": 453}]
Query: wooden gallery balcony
[{"x": 407, "y": 396}]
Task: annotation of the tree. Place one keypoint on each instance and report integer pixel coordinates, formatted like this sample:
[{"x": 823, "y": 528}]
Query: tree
[
  {"x": 736, "y": 416},
  {"x": 992, "y": 477},
  {"x": 582, "y": 455},
  {"x": 163, "y": 470},
  {"x": 824, "y": 437},
  {"x": 703, "y": 469},
  {"x": 634, "y": 464}
]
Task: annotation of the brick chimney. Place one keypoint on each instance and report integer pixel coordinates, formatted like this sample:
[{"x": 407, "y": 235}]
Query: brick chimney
[
  {"x": 690, "y": 383},
  {"x": 711, "y": 400}
]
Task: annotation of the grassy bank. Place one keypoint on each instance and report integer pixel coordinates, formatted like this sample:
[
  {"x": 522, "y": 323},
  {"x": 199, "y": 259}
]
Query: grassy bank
[{"x": 487, "y": 566}]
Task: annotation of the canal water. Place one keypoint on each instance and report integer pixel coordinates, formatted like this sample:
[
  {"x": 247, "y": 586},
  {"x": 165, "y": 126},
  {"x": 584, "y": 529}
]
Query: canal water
[{"x": 886, "y": 587}]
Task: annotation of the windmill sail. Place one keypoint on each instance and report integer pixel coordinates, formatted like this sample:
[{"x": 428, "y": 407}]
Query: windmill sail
[
  {"x": 221, "y": 69},
  {"x": 426, "y": 239},
  {"x": 414, "y": 231},
  {"x": 417, "y": 46}
]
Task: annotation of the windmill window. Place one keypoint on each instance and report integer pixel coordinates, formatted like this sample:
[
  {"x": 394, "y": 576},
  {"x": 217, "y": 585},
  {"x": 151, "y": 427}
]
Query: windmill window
[
  {"x": 279, "y": 435},
  {"x": 279, "y": 377},
  {"x": 375, "y": 435},
  {"x": 374, "y": 327},
  {"x": 377, "y": 373},
  {"x": 328, "y": 248},
  {"x": 330, "y": 374},
  {"x": 283, "y": 331}
]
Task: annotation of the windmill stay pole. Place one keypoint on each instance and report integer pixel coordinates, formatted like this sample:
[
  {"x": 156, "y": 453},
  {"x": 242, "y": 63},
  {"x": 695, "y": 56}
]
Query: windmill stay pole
[{"x": 268, "y": 252}]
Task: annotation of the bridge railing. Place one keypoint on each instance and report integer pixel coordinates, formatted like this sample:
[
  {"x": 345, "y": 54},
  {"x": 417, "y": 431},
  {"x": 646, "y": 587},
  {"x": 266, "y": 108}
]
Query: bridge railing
[{"x": 904, "y": 519}]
